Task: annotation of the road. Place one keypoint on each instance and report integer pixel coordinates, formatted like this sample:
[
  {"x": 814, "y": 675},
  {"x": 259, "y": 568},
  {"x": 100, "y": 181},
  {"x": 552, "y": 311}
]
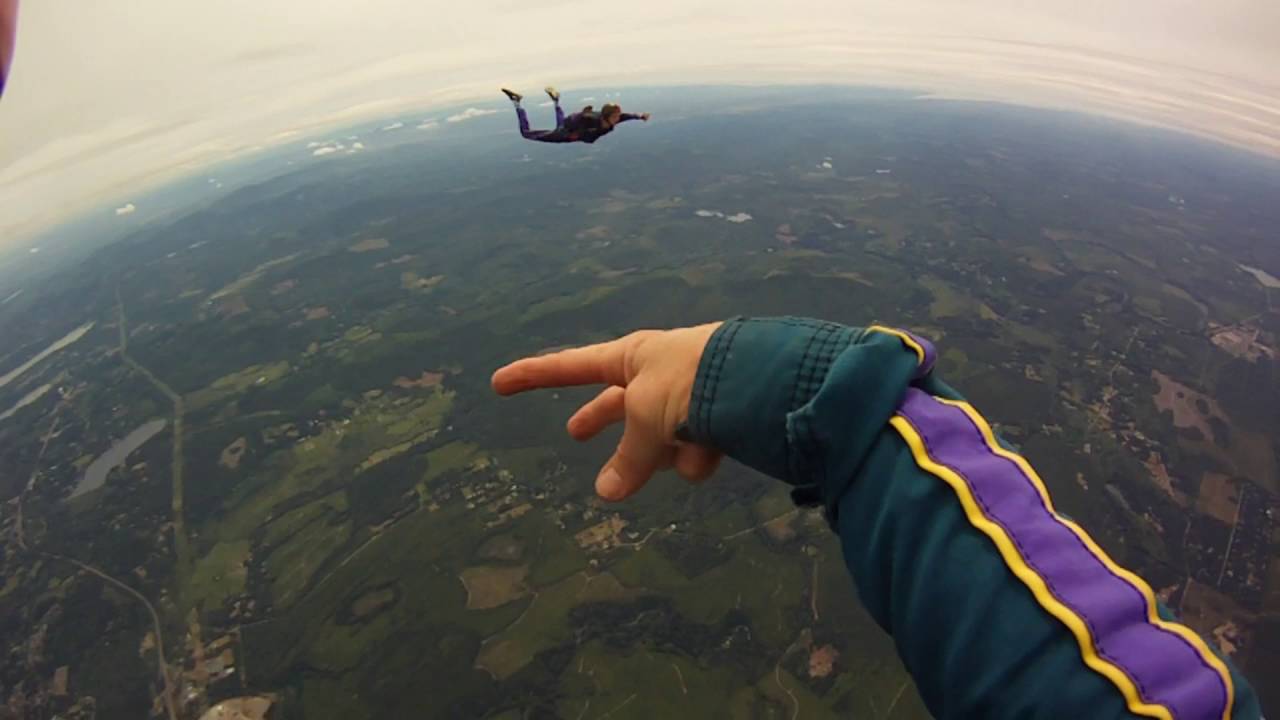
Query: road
[
  {"x": 181, "y": 545},
  {"x": 162, "y": 665},
  {"x": 1231, "y": 539}
]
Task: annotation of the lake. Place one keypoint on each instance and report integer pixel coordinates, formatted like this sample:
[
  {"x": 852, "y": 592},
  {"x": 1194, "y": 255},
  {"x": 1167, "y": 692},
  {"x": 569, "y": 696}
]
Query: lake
[
  {"x": 66, "y": 340},
  {"x": 96, "y": 474},
  {"x": 1264, "y": 277},
  {"x": 26, "y": 400}
]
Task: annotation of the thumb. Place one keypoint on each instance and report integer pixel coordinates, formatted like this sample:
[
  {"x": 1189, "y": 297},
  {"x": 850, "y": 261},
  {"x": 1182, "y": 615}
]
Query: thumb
[{"x": 641, "y": 453}]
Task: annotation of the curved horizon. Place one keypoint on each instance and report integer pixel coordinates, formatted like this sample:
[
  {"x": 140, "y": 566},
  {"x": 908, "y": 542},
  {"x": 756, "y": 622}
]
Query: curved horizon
[{"x": 119, "y": 124}]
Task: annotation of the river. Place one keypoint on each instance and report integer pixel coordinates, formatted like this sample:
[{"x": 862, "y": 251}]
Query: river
[
  {"x": 26, "y": 400},
  {"x": 96, "y": 474},
  {"x": 66, "y": 340}
]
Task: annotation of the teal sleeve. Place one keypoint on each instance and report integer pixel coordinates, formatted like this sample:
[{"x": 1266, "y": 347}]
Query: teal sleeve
[{"x": 855, "y": 421}]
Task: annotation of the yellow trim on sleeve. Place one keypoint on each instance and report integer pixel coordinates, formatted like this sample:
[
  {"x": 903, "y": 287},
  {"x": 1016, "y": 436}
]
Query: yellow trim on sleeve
[
  {"x": 1024, "y": 572},
  {"x": 904, "y": 337}
]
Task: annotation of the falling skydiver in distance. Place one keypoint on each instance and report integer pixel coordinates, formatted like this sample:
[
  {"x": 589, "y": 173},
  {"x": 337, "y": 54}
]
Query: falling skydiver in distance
[{"x": 586, "y": 126}]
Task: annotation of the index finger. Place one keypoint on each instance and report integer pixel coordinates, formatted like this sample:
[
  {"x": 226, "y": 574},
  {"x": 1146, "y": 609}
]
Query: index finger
[{"x": 601, "y": 364}]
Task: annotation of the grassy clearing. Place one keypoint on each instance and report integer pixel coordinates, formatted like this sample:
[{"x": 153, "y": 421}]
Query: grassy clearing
[
  {"x": 329, "y": 456},
  {"x": 236, "y": 383},
  {"x": 372, "y": 601},
  {"x": 380, "y": 456},
  {"x": 642, "y": 685},
  {"x": 950, "y": 302},
  {"x": 422, "y": 555},
  {"x": 752, "y": 580},
  {"x": 251, "y": 277},
  {"x": 290, "y": 567},
  {"x": 341, "y": 647},
  {"x": 489, "y": 586},
  {"x": 504, "y": 547},
  {"x": 219, "y": 575},
  {"x": 543, "y": 624},
  {"x": 285, "y": 526},
  {"x": 566, "y": 302},
  {"x": 448, "y": 458}
]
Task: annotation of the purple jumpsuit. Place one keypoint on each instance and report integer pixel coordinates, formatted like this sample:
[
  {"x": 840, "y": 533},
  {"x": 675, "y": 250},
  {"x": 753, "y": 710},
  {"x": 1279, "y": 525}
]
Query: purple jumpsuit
[{"x": 578, "y": 127}]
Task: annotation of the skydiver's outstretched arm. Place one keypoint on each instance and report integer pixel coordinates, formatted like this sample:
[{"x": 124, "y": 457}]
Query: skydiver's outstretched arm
[
  {"x": 634, "y": 116},
  {"x": 999, "y": 606}
]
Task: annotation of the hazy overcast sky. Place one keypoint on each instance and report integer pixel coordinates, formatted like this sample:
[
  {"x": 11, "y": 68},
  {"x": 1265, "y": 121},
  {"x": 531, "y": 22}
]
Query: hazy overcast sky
[{"x": 110, "y": 97}]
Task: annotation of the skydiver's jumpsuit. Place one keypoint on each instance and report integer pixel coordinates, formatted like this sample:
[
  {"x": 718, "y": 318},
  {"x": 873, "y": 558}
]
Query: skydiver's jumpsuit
[
  {"x": 578, "y": 127},
  {"x": 1000, "y": 606}
]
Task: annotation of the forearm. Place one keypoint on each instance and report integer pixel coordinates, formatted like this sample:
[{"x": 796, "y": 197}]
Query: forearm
[{"x": 991, "y": 598}]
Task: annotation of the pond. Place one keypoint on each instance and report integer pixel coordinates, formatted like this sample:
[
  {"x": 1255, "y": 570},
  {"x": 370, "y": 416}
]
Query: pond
[{"x": 96, "y": 474}]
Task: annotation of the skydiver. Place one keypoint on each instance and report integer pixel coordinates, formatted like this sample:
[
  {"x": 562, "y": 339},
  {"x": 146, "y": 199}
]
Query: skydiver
[
  {"x": 586, "y": 126},
  {"x": 999, "y": 606}
]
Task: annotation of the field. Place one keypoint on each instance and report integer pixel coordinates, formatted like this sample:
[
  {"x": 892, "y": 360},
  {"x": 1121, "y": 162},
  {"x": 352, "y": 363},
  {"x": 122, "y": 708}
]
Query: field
[{"x": 374, "y": 534}]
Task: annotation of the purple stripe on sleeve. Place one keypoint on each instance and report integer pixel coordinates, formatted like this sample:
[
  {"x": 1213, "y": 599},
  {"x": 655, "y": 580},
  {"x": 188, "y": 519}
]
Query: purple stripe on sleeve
[
  {"x": 930, "y": 354},
  {"x": 1164, "y": 667}
]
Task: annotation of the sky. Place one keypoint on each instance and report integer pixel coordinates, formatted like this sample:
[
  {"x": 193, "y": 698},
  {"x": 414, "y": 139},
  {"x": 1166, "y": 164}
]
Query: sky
[{"x": 107, "y": 99}]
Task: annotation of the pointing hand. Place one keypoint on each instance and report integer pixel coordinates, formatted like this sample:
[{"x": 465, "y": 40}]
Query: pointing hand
[{"x": 650, "y": 376}]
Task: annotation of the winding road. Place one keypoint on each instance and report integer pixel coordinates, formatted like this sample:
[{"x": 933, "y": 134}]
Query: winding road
[{"x": 162, "y": 664}]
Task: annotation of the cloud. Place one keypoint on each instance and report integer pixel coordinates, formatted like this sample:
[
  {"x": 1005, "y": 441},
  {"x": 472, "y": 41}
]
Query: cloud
[
  {"x": 394, "y": 126},
  {"x": 738, "y": 218},
  {"x": 314, "y": 144},
  {"x": 588, "y": 98},
  {"x": 282, "y": 136},
  {"x": 206, "y": 85},
  {"x": 428, "y": 124},
  {"x": 336, "y": 146},
  {"x": 128, "y": 209},
  {"x": 468, "y": 114},
  {"x": 546, "y": 104},
  {"x": 826, "y": 165},
  {"x": 274, "y": 52}
]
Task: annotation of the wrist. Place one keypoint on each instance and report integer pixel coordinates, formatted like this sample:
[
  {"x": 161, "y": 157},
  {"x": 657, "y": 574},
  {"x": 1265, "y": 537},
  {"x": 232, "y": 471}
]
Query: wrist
[{"x": 752, "y": 374}]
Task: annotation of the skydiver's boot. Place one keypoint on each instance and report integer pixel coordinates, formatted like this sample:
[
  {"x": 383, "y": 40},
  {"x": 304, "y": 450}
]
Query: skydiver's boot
[
  {"x": 553, "y": 94},
  {"x": 512, "y": 95}
]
